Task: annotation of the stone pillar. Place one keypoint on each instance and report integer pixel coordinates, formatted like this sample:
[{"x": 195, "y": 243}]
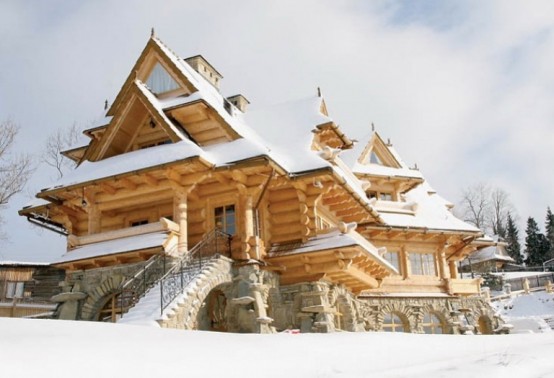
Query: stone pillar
[
  {"x": 526, "y": 287},
  {"x": 548, "y": 286},
  {"x": 180, "y": 203},
  {"x": 486, "y": 293}
]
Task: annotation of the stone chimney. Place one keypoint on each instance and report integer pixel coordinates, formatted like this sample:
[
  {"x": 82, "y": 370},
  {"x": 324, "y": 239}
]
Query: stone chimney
[
  {"x": 204, "y": 68},
  {"x": 240, "y": 102}
]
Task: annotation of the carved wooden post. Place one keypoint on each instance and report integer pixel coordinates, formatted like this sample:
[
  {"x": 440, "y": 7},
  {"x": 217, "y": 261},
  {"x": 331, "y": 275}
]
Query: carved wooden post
[
  {"x": 94, "y": 213},
  {"x": 180, "y": 203},
  {"x": 453, "y": 269},
  {"x": 443, "y": 268}
]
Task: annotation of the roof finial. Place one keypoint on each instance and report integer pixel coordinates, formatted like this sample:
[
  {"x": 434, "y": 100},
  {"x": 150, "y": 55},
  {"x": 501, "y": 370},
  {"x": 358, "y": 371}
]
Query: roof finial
[
  {"x": 388, "y": 142},
  {"x": 152, "y": 33},
  {"x": 106, "y": 104},
  {"x": 372, "y": 127},
  {"x": 318, "y": 92}
]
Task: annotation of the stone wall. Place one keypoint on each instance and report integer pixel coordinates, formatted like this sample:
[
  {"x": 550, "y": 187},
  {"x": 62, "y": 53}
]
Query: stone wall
[{"x": 324, "y": 307}]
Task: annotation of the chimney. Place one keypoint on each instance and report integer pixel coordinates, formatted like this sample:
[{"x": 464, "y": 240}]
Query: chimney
[
  {"x": 240, "y": 102},
  {"x": 204, "y": 68}
]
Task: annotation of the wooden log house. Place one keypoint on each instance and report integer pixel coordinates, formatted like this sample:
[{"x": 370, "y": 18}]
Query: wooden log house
[{"x": 323, "y": 234}]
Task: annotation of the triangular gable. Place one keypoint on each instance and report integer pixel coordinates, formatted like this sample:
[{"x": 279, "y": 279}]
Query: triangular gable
[
  {"x": 154, "y": 62},
  {"x": 377, "y": 152},
  {"x": 132, "y": 122},
  {"x": 160, "y": 81}
]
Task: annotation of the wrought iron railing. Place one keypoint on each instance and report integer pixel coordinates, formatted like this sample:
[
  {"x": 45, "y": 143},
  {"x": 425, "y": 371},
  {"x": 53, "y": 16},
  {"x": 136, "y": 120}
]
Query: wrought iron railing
[
  {"x": 183, "y": 272},
  {"x": 136, "y": 287}
]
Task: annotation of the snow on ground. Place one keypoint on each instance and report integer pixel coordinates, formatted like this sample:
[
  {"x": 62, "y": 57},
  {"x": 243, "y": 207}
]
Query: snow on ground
[
  {"x": 55, "y": 348},
  {"x": 528, "y": 312}
]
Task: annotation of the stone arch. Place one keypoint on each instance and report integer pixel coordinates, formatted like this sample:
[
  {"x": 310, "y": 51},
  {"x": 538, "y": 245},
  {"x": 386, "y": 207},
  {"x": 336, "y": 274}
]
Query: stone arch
[
  {"x": 485, "y": 325},
  {"x": 441, "y": 312},
  {"x": 213, "y": 314},
  {"x": 98, "y": 297},
  {"x": 217, "y": 274},
  {"x": 346, "y": 318},
  {"x": 482, "y": 316},
  {"x": 403, "y": 311}
]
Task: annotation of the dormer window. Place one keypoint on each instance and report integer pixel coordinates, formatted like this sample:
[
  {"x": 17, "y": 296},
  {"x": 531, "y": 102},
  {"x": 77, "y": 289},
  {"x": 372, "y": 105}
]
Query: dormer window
[
  {"x": 374, "y": 159},
  {"x": 160, "y": 81}
]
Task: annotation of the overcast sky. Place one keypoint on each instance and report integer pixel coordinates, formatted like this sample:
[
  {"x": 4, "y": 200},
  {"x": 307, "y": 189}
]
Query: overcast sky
[{"x": 465, "y": 89}]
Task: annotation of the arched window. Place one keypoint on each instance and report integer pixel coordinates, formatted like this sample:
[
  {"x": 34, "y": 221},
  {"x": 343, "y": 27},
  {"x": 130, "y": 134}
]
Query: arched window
[
  {"x": 393, "y": 323},
  {"x": 432, "y": 324}
]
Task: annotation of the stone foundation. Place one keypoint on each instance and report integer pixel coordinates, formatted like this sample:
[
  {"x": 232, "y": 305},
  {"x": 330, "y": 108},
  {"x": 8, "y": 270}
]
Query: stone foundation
[
  {"x": 246, "y": 299},
  {"x": 324, "y": 307}
]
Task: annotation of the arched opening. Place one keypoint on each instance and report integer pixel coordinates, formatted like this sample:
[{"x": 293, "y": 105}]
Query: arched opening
[
  {"x": 394, "y": 322},
  {"x": 343, "y": 316},
  {"x": 211, "y": 316},
  {"x": 485, "y": 325},
  {"x": 433, "y": 324},
  {"x": 111, "y": 310}
]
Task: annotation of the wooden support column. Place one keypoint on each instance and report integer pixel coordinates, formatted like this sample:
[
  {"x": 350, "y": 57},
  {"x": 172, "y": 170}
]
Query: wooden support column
[
  {"x": 453, "y": 269},
  {"x": 93, "y": 211},
  {"x": 180, "y": 214},
  {"x": 405, "y": 268},
  {"x": 441, "y": 260}
]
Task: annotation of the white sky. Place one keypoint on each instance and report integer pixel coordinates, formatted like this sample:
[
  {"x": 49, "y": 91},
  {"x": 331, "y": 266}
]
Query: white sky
[{"x": 464, "y": 89}]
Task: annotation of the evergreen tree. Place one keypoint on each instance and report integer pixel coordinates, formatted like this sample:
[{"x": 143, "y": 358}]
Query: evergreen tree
[
  {"x": 512, "y": 238},
  {"x": 549, "y": 227},
  {"x": 536, "y": 244}
]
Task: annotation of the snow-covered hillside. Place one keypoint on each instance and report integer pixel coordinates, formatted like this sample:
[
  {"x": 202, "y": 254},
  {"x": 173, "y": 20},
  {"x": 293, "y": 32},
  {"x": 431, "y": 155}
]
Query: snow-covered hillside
[{"x": 53, "y": 348}]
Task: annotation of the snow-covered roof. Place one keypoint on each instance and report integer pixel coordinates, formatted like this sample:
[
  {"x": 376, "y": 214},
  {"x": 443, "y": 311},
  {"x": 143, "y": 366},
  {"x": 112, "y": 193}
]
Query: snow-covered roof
[
  {"x": 331, "y": 240},
  {"x": 492, "y": 253},
  {"x": 430, "y": 213},
  {"x": 115, "y": 246},
  {"x": 129, "y": 162},
  {"x": 382, "y": 170},
  {"x": 22, "y": 263}
]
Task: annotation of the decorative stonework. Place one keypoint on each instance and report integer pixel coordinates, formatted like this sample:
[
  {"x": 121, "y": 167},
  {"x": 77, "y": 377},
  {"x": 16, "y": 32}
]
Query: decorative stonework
[{"x": 217, "y": 275}]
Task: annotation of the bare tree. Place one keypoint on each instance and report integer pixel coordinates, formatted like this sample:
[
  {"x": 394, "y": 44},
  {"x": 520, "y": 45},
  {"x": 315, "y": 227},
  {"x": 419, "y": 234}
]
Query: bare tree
[
  {"x": 487, "y": 208},
  {"x": 476, "y": 205},
  {"x": 501, "y": 207},
  {"x": 15, "y": 170},
  {"x": 57, "y": 142}
]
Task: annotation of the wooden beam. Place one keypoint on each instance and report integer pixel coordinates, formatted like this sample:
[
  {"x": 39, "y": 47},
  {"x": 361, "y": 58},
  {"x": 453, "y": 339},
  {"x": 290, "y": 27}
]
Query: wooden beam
[
  {"x": 127, "y": 183},
  {"x": 108, "y": 188},
  {"x": 150, "y": 180},
  {"x": 363, "y": 277}
]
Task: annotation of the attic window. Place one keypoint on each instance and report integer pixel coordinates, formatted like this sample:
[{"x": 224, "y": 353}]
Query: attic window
[
  {"x": 160, "y": 81},
  {"x": 374, "y": 159}
]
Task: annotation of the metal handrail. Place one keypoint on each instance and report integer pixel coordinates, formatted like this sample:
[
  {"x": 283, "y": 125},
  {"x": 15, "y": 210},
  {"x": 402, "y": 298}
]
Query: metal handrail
[
  {"x": 137, "y": 285},
  {"x": 181, "y": 274}
]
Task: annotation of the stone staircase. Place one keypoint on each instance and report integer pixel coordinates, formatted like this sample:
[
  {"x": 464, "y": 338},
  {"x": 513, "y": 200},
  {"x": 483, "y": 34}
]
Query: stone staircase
[{"x": 196, "y": 279}]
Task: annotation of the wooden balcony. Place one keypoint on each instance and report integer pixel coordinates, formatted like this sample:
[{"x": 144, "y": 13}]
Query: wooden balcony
[{"x": 465, "y": 286}]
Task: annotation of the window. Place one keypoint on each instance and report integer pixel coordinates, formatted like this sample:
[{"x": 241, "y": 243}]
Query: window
[
  {"x": 154, "y": 144},
  {"x": 322, "y": 224},
  {"x": 224, "y": 217},
  {"x": 385, "y": 197},
  {"x": 392, "y": 257},
  {"x": 160, "y": 81},
  {"x": 14, "y": 289},
  {"x": 432, "y": 324},
  {"x": 139, "y": 222},
  {"x": 374, "y": 159},
  {"x": 423, "y": 264},
  {"x": 393, "y": 323}
]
